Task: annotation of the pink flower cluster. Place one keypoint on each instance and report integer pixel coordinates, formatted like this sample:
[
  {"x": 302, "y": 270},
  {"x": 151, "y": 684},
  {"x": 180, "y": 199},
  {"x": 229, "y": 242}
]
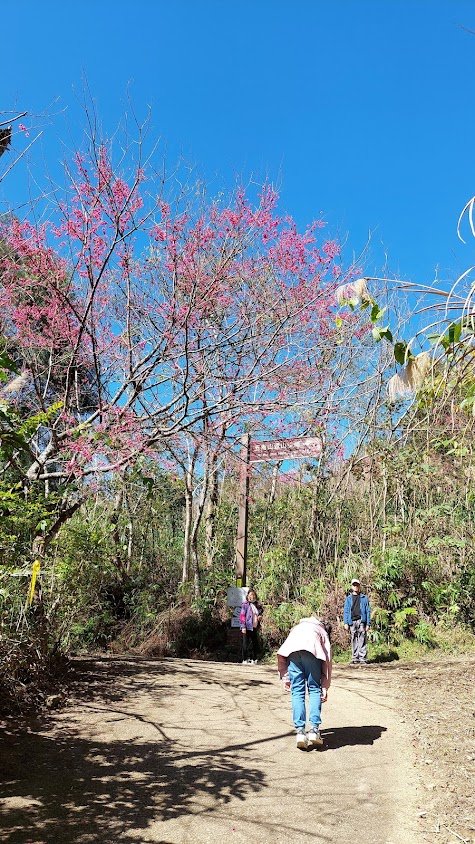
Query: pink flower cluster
[{"x": 34, "y": 290}]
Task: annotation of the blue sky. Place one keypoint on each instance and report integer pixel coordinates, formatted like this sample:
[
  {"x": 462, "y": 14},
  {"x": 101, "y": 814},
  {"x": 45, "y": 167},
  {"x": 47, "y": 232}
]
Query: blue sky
[{"x": 362, "y": 109}]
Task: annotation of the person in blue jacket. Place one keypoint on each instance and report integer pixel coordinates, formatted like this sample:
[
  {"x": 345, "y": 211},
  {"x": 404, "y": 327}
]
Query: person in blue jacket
[{"x": 357, "y": 619}]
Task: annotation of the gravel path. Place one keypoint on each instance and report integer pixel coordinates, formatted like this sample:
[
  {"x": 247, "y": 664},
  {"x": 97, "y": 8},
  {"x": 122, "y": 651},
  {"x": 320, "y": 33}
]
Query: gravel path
[{"x": 177, "y": 752}]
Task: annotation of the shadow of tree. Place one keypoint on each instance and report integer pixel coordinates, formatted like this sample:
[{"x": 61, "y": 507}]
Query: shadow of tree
[
  {"x": 108, "y": 679},
  {"x": 59, "y": 786},
  {"x": 346, "y": 736},
  {"x": 73, "y": 790}
]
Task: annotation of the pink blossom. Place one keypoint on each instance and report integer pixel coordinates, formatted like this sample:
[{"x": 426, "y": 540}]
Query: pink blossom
[
  {"x": 331, "y": 248},
  {"x": 158, "y": 233}
]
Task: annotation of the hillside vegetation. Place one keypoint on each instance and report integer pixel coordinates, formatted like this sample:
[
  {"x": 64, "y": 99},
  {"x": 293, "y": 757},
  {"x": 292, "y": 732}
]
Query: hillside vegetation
[{"x": 140, "y": 339}]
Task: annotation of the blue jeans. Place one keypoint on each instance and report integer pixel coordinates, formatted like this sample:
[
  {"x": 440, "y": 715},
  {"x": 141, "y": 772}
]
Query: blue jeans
[{"x": 305, "y": 671}]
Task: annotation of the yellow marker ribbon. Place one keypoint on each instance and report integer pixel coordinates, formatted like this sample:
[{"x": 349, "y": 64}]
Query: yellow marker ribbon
[{"x": 34, "y": 574}]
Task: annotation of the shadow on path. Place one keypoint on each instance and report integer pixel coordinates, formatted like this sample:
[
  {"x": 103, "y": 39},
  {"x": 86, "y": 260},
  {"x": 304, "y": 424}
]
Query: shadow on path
[
  {"x": 346, "y": 736},
  {"x": 67, "y": 789},
  {"x": 59, "y": 787},
  {"x": 111, "y": 679},
  {"x": 63, "y": 784}
]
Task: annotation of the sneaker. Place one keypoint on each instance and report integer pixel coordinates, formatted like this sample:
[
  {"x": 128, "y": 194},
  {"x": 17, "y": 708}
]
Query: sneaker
[
  {"x": 363, "y": 662},
  {"x": 301, "y": 741},
  {"x": 314, "y": 738},
  {"x": 253, "y": 661},
  {"x": 246, "y": 662}
]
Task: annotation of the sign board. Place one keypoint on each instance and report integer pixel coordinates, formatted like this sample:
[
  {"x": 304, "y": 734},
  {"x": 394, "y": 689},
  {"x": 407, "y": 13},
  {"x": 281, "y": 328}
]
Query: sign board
[
  {"x": 290, "y": 448},
  {"x": 236, "y": 596}
]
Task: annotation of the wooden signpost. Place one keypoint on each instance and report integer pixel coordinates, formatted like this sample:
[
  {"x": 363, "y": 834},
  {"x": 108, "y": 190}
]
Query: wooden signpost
[
  {"x": 258, "y": 451},
  {"x": 243, "y": 502}
]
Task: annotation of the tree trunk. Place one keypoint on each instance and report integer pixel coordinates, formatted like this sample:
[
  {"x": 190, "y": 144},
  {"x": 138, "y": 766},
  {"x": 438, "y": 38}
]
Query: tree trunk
[
  {"x": 130, "y": 533},
  {"x": 185, "y": 576},
  {"x": 196, "y": 571},
  {"x": 41, "y": 541},
  {"x": 199, "y": 510},
  {"x": 211, "y": 512},
  {"x": 119, "y": 564}
]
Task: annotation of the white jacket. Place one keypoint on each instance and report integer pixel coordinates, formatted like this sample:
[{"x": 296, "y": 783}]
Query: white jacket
[{"x": 308, "y": 635}]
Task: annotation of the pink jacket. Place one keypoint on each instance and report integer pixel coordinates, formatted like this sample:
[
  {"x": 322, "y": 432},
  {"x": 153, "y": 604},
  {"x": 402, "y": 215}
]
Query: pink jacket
[{"x": 308, "y": 635}]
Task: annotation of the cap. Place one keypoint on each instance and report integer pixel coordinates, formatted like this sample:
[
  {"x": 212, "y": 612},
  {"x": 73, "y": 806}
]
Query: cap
[{"x": 355, "y": 580}]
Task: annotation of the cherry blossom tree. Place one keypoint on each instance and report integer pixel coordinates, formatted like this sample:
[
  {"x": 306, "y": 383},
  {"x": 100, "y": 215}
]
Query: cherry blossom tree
[{"x": 134, "y": 322}]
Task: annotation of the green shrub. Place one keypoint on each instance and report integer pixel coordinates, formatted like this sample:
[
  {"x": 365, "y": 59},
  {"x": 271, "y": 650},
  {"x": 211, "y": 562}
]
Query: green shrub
[
  {"x": 313, "y": 595},
  {"x": 279, "y": 620},
  {"x": 424, "y": 633},
  {"x": 405, "y": 620},
  {"x": 380, "y": 619}
]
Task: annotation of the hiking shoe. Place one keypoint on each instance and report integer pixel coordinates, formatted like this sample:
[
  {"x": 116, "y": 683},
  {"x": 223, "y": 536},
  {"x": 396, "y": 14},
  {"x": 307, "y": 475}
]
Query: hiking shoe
[
  {"x": 246, "y": 662},
  {"x": 363, "y": 662},
  {"x": 314, "y": 738},
  {"x": 301, "y": 741}
]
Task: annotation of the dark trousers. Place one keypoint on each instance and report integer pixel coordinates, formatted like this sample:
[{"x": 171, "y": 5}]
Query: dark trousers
[{"x": 250, "y": 644}]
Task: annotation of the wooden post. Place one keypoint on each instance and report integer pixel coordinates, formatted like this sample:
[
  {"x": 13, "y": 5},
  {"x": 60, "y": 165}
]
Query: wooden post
[{"x": 241, "y": 543}]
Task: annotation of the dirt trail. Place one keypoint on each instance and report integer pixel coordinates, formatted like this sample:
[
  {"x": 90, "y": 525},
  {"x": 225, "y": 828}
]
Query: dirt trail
[{"x": 177, "y": 752}]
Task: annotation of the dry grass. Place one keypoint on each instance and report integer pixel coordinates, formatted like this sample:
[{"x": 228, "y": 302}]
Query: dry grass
[
  {"x": 30, "y": 677},
  {"x": 439, "y": 701}
]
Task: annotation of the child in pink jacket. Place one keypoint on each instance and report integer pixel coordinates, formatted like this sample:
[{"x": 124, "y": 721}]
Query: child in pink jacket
[
  {"x": 304, "y": 662},
  {"x": 250, "y": 619}
]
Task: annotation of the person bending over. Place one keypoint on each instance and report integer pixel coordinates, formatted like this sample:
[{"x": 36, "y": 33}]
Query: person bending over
[{"x": 305, "y": 664}]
